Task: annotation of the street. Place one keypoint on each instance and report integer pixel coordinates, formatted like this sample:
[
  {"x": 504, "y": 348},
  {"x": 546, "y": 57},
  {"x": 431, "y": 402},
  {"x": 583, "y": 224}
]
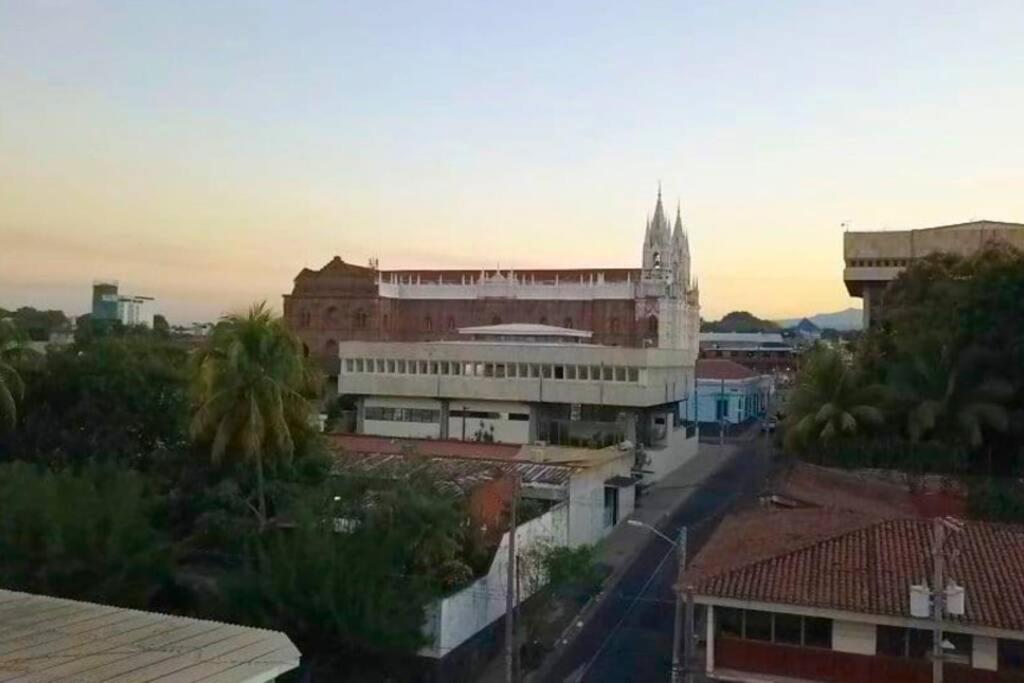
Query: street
[{"x": 629, "y": 635}]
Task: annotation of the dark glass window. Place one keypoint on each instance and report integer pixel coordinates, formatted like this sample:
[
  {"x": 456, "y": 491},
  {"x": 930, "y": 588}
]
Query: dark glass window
[
  {"x": 1011, "y": 654},
  {"x": 817, "y": 632},
  {"x": 758, "y": 625},
  {"x": 920, "y": 645},
  {"x": 787, "y": 629},
  {"x": 892, "y": 641},
  {"x": 730, "y": 621}
]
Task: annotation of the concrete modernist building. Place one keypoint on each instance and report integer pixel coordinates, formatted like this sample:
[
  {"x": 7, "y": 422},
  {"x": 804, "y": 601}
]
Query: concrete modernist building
[
  {"x": 765, "y": 352},
  {"x": 656, "y": 305},
  {"x": 129, "y": 310},
  {"x": 873, "y": 259}
]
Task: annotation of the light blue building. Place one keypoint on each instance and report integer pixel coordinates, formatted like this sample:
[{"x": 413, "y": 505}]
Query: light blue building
[{"x": 731, "y": 392}]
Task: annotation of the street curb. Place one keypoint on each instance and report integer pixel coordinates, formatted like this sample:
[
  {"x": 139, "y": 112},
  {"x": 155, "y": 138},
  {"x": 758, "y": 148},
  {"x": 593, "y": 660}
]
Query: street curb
[{"x": 567, "y": 634}]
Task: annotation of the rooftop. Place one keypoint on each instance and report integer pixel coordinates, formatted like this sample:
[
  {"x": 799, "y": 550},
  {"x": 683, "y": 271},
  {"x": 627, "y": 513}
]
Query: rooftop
[
  {"x": 742, "y": 337},
  {"x": 723, "y": 368},
  {"x": 869, "y": 570},
  {"x": 51, "y": 639},
  {"x": 525, "y": 330}
]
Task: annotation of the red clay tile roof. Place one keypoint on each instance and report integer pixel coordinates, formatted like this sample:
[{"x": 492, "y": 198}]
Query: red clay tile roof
[
  {"x": 722, "y": 368},
  {"x": 364, "y": 443},
  {"x": 870, "y": 570}
]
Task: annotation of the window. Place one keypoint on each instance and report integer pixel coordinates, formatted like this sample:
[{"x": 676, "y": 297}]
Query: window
[
  {"x": 620, "y": 374},
  {"x": 475, "y": 414},
  {"x": 380, "y": 365},
  {"x": 757, "y": 625},
  {"x": 451, "y": 323},
  {"x": 559, "y": 372},
  {"x": 513, "y": 370},
  {"x": 384, "y": 321},
  {"x": 784, "y": 629},
  {"x": 359, "y": 319},
  {"x": 519, "y": 417},
  {"x": 584, "y": 372},
  {"x": 543, "y": 320},
  {"x": 634, "y": 375},
  {"x": 1011, "y": 655},
  {"x": 428, "y": 324},
  {"x": 788, "y": 629},
  {"x": 388, "y": 414},
  {"x": 496, "y": 320},
  {"x": 359, "y": 365},
  {"x": 614, "y": 325},
  {"x": 567, "y": 323},
  {"x": 607, "y": 374},
  {"x": 331, "y": 317},
  {"x": 391, "y": 366},
  {"x": 896, "y": 641},
  {"x": 401, "y": 367},
  {"x": 652, "y": 326},
  {"x": 545, "y": 371},
  {"x": 570, "y": 372}
]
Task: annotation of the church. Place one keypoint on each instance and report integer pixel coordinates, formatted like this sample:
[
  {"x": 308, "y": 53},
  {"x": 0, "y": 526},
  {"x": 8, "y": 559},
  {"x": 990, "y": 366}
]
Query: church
[{"x": 656, "y": 305}]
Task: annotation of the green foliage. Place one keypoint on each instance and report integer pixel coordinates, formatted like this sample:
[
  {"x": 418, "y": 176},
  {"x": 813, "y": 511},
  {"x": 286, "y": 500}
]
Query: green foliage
[
  {"x": 35, "y": 324},
  {"x": 573, "y": 572},
  {"x": 997, "y": 500},
  {"x": 366, "y": 585},
  {"x": 251, "y": 381},
  {"x": 86, "y": 535},
  {"x": 890, "y": 452},
  {"x": 114, "y": 397},
  {"x": 830, "y": 401},
  {"x": 12, "y": 388}
]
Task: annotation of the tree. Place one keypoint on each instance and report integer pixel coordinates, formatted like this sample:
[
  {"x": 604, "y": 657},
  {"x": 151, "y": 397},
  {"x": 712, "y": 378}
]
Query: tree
[
  {"x": 950, "y": 396},
  {"x": 12, "y": 388},
  {"x": 121, "y": 398},
  {"x": 86, "y": 535},
  {"x": 830, "y": 400},
  {"x": 251, "y": 381}
]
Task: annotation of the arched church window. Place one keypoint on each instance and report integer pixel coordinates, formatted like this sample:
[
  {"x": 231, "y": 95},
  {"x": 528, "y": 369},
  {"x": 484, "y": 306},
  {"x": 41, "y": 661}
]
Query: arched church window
[
  {"x": 331, "y": 316},
  {"x": 652, "y": 325},
  {"x": 428, "y": 324},
  {"x": 451, "y": 322},
  {"x": 614, "y": 325}
]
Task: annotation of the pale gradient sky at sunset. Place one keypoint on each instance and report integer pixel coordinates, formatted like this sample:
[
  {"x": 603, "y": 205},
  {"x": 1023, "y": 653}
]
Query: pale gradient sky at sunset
[{"x": 203, "y": 152}]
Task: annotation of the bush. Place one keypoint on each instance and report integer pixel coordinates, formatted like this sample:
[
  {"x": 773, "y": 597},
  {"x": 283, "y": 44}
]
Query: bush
[
  {"x": 893, "y": 453},
  {"x": 573, "y": 572},
  {"x": 85, "y": 535},
  {"x": 997, "y": 500}
]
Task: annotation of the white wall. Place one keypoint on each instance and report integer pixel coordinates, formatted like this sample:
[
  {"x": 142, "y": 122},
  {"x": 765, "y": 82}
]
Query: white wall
[
  {"x": 458, "y": 617},
  {"x": 853, "y": 637},
  {"x": 985, "y": 653},
  {"x": 676, "y": 451},
  {"x": 505, "y": 430},
  {"x": 586, "y": 500}
]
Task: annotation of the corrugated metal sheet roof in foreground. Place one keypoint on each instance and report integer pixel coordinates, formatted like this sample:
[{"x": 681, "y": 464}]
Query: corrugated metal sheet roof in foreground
[{"x": 46, "y": 639}]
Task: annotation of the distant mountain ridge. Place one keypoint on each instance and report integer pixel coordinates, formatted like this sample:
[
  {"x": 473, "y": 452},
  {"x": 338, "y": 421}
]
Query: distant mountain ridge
[
  {"x": 739, "y": 321},
  {"x": 845, "y": 320}
]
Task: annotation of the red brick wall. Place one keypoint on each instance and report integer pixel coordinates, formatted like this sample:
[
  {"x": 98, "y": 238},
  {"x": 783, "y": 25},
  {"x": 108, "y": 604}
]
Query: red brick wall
[{"x": 818, "y": 664}]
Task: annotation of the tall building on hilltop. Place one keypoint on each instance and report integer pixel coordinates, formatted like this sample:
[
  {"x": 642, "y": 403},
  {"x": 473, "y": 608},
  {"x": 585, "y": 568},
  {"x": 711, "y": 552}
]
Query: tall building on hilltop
[{"x": 657, "y": 305}]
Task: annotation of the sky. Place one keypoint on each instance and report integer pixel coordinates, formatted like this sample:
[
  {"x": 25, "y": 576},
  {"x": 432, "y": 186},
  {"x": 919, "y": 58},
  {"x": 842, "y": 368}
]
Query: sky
[{"x": 203, "y": 152}]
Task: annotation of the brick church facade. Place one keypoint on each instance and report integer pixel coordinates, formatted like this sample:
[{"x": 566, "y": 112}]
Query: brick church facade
[{"x": 656, "y": 305}]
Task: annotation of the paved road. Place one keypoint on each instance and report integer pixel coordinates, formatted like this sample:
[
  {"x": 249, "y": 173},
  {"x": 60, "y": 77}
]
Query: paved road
[{"x": 629, "y": 636}]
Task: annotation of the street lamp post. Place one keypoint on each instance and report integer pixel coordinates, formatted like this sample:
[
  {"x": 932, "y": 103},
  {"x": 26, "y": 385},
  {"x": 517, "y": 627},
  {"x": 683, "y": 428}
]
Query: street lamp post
[{"x": 682, "y": 631}]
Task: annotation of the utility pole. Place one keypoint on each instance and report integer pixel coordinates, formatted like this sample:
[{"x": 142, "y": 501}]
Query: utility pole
[
  {"x": 677, "y": 632},
  {"x": 938, "y": 599},
  {"x": 724, "y": 402},
  {"x": 688, "y": 638},
  {"x": 510, "y": 592}
]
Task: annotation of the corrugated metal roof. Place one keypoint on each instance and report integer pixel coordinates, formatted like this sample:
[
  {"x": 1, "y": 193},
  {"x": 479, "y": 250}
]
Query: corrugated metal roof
[
  {"x": 466, "y": 473},
  {"x": 47, "y": 639}
]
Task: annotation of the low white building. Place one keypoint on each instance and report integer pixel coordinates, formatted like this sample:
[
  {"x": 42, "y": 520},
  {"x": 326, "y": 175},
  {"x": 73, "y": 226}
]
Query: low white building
[
  {"x": 526, "y": 384},
  {"x": 730, "y": 393}
]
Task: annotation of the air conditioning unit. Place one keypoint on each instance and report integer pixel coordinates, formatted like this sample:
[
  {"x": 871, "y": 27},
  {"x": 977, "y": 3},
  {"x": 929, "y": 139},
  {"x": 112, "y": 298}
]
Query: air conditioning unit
[
  {"x": 920, "y": 601},
  {"x": 955, "y": 600}
]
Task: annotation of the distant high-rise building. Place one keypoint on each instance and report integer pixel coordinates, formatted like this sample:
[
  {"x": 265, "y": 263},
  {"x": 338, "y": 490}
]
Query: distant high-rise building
[
  {"x": 129, "y": 310},
  {"x": 104, "y": 300}
]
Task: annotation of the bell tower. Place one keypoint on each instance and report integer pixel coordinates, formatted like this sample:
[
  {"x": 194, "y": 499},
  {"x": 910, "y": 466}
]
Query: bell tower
[{"x": 659, "y": 256}]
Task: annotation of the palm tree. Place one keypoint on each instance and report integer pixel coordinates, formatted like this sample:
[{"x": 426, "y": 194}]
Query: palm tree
[
  {"x": 12, "y": 388},
  {"x": 251, "y": 381},
  {"x": 830, "y": 400},
  {"x": 952, "y": 396}
]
